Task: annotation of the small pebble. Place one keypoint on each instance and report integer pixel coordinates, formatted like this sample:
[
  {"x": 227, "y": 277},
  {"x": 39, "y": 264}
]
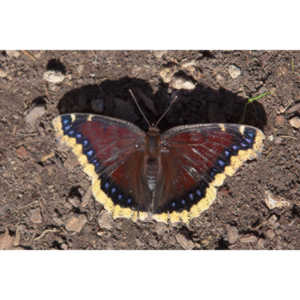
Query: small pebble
[
  {"x": 35, "y": 216},
  {"x": 184, "y": 242},
  {"x": 295, "y": 122},
  {"x": 271, "y": 138},
  {"x": 53, "y": 76},
  {"x": 232, "y": 234},
  {"x": 3, "y": 74},
  {"x": 182, "y": 84},
  {"x": 273, "y": 201},
  {"x": 76, "y": 223},
  {"x": 36, "y": 113},
  {"x": 234, "y": 71},
  {"x": 248, "y": 239},
  {"x": 105, "y": 220}
]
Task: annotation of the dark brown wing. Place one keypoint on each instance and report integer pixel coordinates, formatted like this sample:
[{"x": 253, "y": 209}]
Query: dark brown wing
[
  {"x": 111, "y": 152},
  {"x": 196, "y": 160}
]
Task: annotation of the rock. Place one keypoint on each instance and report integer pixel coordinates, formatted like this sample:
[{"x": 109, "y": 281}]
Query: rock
[
  {"x": 105, "y": 220},
  {"x": 180, "y": 83},
  {"x": 98, "y": 105},
  {"x": 273, "y": 201},
  {"x": 53, "y": 76},
  {"x": 249, "y": 238},
  {"x": 232, "y": 234},
  {"x": 279, "y": 121},
  {"x": 36, "y": 113},
  {"x": 295, "y": 122},
  {"x": 234, "y": 71},
  {"x": 35, "y": 216},
  {"x": 271, "y": 138},
  {"x": 184, "y": 242},
  {"x": 3, "y": 74},
  {"x": 12, "y": 53},
  {"x": 270, "y": 234},
  {"x": 76, "y": 223},
  {"x": 6, "y": 241}
]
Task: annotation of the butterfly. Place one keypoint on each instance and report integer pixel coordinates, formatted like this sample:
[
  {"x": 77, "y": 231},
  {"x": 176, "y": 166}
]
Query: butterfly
[{"x": 170, "y": 177}]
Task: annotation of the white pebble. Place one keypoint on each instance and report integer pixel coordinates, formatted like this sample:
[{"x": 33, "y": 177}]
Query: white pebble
[
  {"x": 182, "y": 84},
  {"x": 53, "y": 77},
  {"x": 295, "y": 122},
  {"x": 234, "y": 71}
]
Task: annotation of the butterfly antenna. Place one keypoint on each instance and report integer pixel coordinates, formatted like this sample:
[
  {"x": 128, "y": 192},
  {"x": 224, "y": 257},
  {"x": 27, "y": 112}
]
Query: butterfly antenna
[
  {"x": 138, "y": 106},
  {"x": 174, "y": 98}
]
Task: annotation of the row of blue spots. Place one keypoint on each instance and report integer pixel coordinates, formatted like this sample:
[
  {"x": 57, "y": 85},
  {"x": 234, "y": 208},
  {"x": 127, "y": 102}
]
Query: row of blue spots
[
  {"x": 87, "y": 150},
  {"x": 116, "y": 196},
  {"x": 187, "y": 202}
]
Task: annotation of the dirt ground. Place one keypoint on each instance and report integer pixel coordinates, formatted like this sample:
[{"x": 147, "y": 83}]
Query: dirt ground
[{"x": 45, "y": 198}]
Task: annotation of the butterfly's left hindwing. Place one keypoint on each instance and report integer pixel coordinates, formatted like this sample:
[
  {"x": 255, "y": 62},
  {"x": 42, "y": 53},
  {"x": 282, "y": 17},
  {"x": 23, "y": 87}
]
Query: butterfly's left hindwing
[{"x": 199, "y": 157}]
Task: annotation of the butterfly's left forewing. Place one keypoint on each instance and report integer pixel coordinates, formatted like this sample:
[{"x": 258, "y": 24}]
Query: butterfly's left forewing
[
  {"x": 195, "y": 161},
  {"x": 111, "y": 152}
]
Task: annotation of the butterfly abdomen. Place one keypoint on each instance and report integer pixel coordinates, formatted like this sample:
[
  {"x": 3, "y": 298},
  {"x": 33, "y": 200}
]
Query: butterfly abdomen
[{"x": 152, "y": 166}]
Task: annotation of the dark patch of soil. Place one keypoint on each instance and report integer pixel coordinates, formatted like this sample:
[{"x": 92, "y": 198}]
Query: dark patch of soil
[{"x": 45, "y": 202}]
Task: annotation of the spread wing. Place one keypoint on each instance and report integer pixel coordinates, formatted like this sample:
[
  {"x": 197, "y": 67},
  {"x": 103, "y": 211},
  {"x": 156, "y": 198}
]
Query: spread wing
[
  {"x": 196, "y": 160},
  {"x": 111, "y": 152}
]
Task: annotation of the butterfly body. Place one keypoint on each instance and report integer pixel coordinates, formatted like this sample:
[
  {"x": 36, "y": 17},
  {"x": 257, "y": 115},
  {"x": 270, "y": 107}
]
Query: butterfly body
[{"x": 170, "y": 177}]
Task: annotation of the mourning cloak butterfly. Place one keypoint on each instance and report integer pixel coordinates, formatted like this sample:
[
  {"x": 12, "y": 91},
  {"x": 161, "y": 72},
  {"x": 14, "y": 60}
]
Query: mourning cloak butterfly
[{"x": 170, "y": 177}]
